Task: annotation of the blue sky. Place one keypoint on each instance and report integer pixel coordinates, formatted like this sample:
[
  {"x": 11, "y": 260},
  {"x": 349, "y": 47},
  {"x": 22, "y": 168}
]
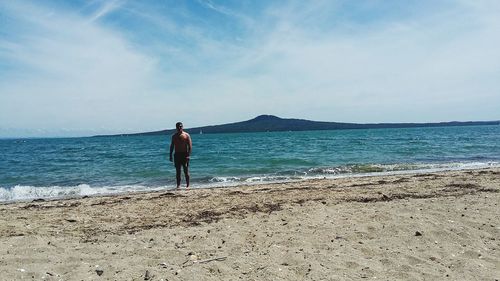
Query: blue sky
[{"x": 70, "y": 68}]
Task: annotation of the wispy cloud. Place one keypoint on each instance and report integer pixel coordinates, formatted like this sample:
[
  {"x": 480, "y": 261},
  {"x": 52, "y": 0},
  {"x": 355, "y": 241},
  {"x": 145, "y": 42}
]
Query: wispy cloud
[
  {"x": 239, "y": 16},
  {"x": 219, "y": 9},
  {"x": 106, "y": 8}
]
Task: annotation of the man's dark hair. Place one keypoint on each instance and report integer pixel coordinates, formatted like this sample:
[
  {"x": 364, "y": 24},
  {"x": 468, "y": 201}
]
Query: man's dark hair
[{"x": 178, "y": 124}]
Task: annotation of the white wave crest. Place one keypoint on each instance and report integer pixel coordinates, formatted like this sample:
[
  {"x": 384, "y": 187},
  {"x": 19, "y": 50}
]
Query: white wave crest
[
  {"x": 224, "y": 179},
  {"x": 25, "y": 192}
]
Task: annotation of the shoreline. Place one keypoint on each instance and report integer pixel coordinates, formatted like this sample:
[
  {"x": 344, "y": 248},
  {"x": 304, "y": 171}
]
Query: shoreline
[
  {"x": 412, "y": 226},
  {"x": 236, "y": 184}
]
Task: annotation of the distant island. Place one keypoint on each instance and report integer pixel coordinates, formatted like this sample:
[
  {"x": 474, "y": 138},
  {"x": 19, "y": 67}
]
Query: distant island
[{"x": 271, "y": 123}]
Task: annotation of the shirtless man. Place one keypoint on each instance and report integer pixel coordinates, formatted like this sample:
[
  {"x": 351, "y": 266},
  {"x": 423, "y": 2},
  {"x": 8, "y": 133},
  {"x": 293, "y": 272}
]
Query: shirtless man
[{"x": 181, "y": 141}]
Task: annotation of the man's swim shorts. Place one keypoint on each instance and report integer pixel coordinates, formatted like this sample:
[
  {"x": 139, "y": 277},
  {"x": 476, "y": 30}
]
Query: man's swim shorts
[{"x": 181, "y": 159}]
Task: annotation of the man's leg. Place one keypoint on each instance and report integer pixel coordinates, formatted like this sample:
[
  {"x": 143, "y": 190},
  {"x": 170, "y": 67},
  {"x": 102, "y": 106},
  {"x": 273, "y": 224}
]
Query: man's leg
[
  {"x": 186, "y": 173},
  {"x": 178, "y": 175}
]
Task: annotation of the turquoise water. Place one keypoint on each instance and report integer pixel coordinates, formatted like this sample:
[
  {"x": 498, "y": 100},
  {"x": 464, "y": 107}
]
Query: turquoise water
[{"x": 44, "y": 168}]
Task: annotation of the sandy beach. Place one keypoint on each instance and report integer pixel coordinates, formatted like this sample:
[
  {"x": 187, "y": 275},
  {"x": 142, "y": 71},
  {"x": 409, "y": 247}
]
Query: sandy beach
[{"x": 426, "y": 226}]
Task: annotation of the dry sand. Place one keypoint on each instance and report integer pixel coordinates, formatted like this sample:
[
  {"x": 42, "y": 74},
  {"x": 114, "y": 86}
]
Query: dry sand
[{"x": 436, "y": 226}]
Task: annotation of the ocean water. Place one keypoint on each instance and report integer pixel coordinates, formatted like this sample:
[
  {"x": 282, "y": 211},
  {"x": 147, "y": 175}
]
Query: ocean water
[{"x": 61, "y": 167}]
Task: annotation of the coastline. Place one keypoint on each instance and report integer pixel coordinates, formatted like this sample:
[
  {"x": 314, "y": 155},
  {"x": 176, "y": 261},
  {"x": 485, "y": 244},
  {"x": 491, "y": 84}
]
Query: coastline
[
  {"x": 27, "y": 193},
  {"x": 418, "y": 226}
]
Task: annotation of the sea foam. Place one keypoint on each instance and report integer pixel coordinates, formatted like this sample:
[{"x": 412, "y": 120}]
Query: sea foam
[{"x": 25, "y": 192}]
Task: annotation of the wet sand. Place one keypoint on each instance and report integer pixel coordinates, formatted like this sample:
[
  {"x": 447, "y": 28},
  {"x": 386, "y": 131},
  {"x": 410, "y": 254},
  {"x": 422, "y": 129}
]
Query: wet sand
[{"x": 432, "y": 226}]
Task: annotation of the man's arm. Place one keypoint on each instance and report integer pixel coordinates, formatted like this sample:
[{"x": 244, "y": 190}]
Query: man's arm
[
  {"x": 171, "y": 148},
  {"x": 190, "y": 145}
]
